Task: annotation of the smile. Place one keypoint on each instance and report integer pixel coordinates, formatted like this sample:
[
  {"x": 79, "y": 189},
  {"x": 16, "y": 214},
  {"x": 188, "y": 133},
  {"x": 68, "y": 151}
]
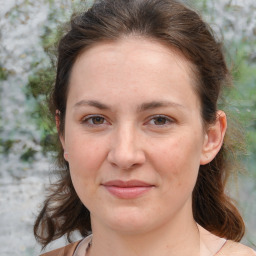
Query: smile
[{"x": 127, "y": 189}]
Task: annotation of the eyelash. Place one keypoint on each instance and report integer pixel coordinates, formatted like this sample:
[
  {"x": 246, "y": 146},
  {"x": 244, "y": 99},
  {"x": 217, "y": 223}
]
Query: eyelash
[
  {"x": 89, "y": 118},
  {"x": 166, "y": 118}
]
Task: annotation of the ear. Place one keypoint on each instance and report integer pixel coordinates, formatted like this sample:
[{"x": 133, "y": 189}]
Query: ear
[
  {"x": 61, "y": 136},
  {"x": 214, "y": 138}
]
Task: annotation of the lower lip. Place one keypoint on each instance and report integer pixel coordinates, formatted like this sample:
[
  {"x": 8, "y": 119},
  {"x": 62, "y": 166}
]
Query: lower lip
[{"x": 128, "y": 192}]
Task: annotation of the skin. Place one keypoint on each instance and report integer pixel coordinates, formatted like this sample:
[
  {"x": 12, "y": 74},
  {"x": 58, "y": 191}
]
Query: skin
[{"x": 161, "y": 144}]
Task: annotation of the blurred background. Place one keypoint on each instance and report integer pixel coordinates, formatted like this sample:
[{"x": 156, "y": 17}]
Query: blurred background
[{"x": 28, "y": 32}]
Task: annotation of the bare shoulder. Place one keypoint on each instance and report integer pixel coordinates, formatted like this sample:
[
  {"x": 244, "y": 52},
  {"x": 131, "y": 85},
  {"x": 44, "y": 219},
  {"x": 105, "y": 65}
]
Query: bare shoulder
[
  {"x": 214, "y": 245},
  {"x": 67, "y": 250},
  {"x": 235, "y": 249}
]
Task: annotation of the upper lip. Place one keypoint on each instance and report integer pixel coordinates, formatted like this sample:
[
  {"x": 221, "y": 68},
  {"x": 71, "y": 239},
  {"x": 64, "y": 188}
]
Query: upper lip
[{"x": 127, "y": 184}]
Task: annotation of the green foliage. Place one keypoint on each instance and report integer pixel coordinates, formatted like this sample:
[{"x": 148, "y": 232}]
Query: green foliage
[
  {"x": 240, "y": 51},
  {"x": 41, "y": 81},
  {"x": 39, "y": 87},
  {"x": 6, "y": 145},
  {"x": 3, "y": 73},
  {"x": 28, "y": 155},
  {"x": 200, "y": 5},
  {"x": 242, "y": 100}
]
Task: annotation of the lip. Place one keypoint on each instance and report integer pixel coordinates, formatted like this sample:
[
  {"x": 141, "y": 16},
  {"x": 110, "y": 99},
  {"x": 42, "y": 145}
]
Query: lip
[{"x": 127, "y": 189}]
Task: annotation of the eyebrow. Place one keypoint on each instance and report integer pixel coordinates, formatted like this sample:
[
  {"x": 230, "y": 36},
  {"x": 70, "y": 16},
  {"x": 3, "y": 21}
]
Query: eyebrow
[
  {"x": 143, "y": 107},
  {"x": 157, "y": 104},
  {"x": 92, "y": 103}
]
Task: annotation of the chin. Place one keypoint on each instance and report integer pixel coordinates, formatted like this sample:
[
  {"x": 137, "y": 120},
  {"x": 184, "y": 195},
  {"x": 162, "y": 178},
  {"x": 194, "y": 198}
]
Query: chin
[{"x": 129, "y": 221}]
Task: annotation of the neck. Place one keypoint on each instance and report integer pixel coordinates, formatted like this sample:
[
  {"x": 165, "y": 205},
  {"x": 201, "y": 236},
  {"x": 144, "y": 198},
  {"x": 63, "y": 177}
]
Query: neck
[
  {"x": 174, "y": 239},
  {"x": 209, "y": 243}
]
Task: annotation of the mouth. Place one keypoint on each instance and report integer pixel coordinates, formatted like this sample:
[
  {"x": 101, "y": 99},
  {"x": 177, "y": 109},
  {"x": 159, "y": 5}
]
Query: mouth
[{"x": 127, "y": 189}]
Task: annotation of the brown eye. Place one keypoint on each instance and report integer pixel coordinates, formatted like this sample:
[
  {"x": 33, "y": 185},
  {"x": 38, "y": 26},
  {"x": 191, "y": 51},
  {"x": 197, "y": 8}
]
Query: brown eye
[
  {"x": 94, "y": 121},
  {"x": 160, "y": 120},
  {"x": 97, "y": 120}
]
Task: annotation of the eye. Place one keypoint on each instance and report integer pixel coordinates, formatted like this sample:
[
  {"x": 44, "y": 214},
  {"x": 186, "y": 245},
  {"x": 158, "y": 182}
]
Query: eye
[
  {"x": 160, "y": 120},
  {"x": 94, "y": 120}
]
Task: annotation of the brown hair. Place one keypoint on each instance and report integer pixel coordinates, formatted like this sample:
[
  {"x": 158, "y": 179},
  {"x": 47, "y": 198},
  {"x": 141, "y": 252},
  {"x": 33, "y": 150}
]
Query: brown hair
[{"x": 174, "y": 24}]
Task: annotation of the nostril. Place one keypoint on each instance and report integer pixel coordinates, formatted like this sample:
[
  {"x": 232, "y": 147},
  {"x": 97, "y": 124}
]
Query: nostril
[{"x": 126, "y": 160}]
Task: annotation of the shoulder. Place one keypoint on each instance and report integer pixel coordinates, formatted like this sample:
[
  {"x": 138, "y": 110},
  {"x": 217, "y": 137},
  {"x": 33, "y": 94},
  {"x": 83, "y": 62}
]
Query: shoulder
[
  {"x": 67, "y": 250},
  {"x": 235, "y": 249}
]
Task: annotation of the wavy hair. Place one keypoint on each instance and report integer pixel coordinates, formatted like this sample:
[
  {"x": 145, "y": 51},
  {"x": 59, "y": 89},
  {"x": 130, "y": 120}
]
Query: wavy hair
[{"x": 181, "y": 28}]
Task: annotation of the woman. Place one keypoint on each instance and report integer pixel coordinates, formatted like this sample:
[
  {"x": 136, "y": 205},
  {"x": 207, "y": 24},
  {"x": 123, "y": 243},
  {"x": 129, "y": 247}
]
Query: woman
[{"x": 144, "y": 161}]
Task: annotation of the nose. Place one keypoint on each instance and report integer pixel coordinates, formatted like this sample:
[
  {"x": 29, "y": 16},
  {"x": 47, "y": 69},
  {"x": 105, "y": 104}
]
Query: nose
[{"x": 126, "y": 150}]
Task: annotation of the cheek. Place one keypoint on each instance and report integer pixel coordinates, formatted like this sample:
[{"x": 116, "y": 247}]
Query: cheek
[
  {"x": 86, "y": 156},
  {"x": 85, "y": 160},
  {"x": 178, "y": 161}
]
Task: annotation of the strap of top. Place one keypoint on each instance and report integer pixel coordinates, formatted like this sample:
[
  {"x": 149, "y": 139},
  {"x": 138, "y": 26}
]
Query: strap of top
[
  {"x": 229, "y": 249},
  {"x": 64, "y": 251},
  {"x": 235, "y": 249}
]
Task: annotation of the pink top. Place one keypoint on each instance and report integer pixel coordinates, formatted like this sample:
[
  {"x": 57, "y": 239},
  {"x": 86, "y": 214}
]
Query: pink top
[
  {"x": 79, "y": 248},
  {"x": 229, "y": 248}
]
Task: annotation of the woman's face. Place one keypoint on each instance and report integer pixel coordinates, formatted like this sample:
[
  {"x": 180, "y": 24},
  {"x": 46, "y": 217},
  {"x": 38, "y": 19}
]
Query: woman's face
[{"x": 133, "y": 134}]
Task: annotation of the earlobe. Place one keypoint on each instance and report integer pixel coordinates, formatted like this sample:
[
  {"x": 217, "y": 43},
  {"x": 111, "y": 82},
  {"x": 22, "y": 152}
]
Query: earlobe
[
  {"x": 214, "y": 138},
  {"x": 65, "y": 155}
]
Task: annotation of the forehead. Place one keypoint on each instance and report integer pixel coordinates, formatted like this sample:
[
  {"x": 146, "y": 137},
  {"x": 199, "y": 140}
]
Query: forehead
[
  {"x": 131, "y": 63},
  {"x": 134, "y": 48}
]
